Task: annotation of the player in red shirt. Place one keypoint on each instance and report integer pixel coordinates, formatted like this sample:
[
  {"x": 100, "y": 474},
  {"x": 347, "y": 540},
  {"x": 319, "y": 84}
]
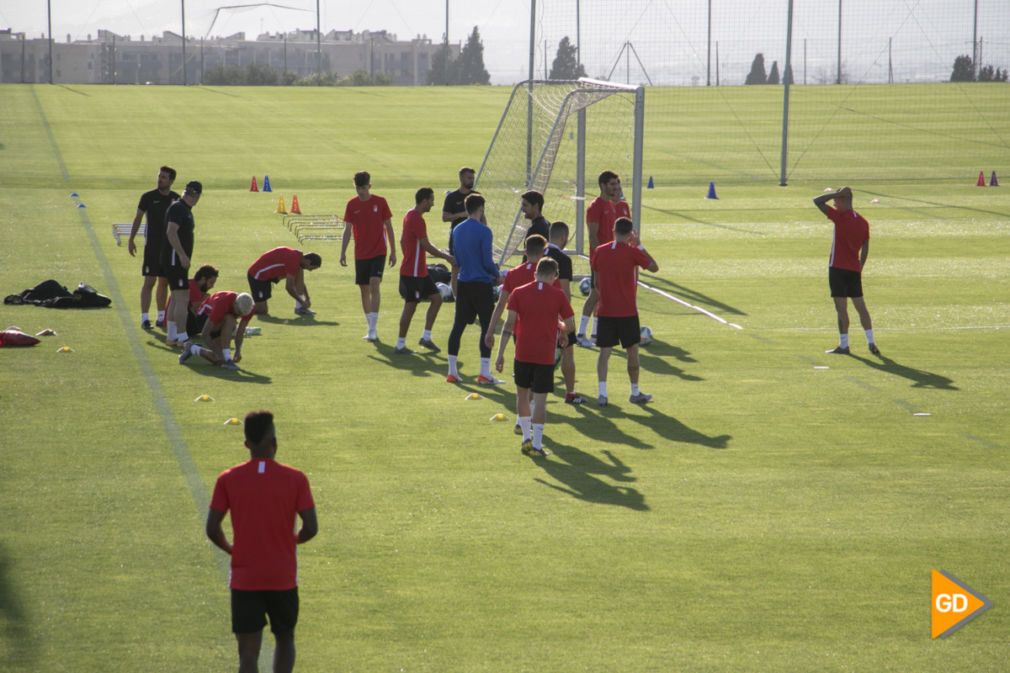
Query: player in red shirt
[
  {"x": 415, "y": 284},
  {"x": 263, "y": 497},
  {"x": 537, "y": 311},
  {"x": 600, "y": 218},
  {"x": 199, "y": 285},
  {"x": 616, "y": 265},
  {"x": 371, "y": 224},
  {"x": 223, "y": 311},
  {"x": 849, "y": 250},
  {"x": 286, "y": 263}
]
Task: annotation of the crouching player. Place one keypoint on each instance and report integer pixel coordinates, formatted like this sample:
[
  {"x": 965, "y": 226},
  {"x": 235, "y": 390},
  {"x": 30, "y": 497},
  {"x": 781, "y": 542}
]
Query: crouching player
[
  {"x": 536, "y": 307},
  {"x": 224, "y": 311}
]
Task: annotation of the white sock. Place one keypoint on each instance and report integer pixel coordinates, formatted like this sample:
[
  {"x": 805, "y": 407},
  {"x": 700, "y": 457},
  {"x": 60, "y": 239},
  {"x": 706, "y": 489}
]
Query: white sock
[
  {"x": 161, "y": 316},
  {"x": 145, "y": 317},
  {"x": 843, "y": 340},
  {"x": 227, "y": 354},
  {"x": 181, "y": 336},
  {"x": 485, "y": 367},
  {"x": 538, "y": 435},
  {"x": 452, "y": 366},
  {"x": 524, "y": 424},
  {"x": 373, "y": 321},
  {"x": 582, "y": 325},
  {"x": 194, "y": 349},
  {"x": 869, "y": 336},
  {"x": 533, "y": 407},
  {"x": 401, "y": 342},
  {"x": 170, "y": 330},
  {"x": 298, "y": 305},
  {"x": 596, "y": 324},
  {"x": 634, "y": 389},
  {"x": 603, "y": 388},
  {"x": 426, "y": 336}
]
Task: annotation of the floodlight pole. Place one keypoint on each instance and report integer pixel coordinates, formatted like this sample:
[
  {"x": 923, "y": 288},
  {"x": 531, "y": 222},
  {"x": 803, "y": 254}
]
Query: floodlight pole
[
  {"x": 838, "y": 76},
  {"x": 785, "y": 95},
  {"x": 183, "y": 3},
  {"x": 529, "y": 94},
  {"x": 708, "y": 66},
  {"x": 974, "y": 44},
  {"x": 49, "y": 20},
  {"x": 445, "y": 49},
  {"x": 319, "y": 49}
]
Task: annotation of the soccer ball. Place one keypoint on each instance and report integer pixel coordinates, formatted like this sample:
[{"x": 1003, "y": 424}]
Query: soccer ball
[
  {"x": 445, "y": 291},
  {"x": 646, "y": 336},
  {"x": 585, "y": 286}
]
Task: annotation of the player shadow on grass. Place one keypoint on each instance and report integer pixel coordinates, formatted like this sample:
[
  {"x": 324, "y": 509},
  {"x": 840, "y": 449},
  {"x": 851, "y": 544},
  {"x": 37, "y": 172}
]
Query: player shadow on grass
[
  {"x": 577, "y": 476},
  {"x": 652, "y": 361},
  {"x": 17, "y": 631},
  {"x": 667, "y": 427},
  {"x": 243, "y": 375},
  {"x": 921, "y": 378},
  {"x": 596, "y": 425},
  {"x": 296, "y": 320},
  {"x": 419, "y": 363}
]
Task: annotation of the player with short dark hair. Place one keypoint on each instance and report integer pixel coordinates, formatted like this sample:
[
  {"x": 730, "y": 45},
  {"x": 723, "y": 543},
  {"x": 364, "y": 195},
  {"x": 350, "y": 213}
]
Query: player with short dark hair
[
  {"x": 532, "y": 206},
  {"x": 286, "y": 263},
  {"x": 415, "y": 283},
  {"x": 849, "y": 249},
  {"x": 154, "y": 204},
  {"x": 199, "y": 285},
  {"x": 478, "y": 275},
  {"x": 556, "y": 251},
  {"x": 223, "y": 312},
  {"x": 371, "y": 225},
  {"x": 453, "y": 208},
  {"x": 616, "y": 265},
  {"x": 600, "y": 218},
  {"x": 537, "y": 311},
  {"x": 176, "y": 258},
  {"x": 263, "y": 497}
]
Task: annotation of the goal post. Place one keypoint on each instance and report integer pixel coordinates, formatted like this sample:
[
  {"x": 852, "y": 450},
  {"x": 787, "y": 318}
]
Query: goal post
[{"x": 556, "y": 137}]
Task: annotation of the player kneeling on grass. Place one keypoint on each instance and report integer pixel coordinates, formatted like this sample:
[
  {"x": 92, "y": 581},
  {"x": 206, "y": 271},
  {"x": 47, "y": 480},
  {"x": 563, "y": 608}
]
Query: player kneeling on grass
[
  {"x": 224, "y": 311},
  {"x": 286, "y": 263},
  {"x": 616, "y": 266},
  {"x": 533, "y": 314},
  {"x": 199, "y": 287},
  {"x": 415, "y": 283}
]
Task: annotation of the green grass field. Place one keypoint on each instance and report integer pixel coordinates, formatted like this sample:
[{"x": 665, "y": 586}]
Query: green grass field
[{"x": 774, "y": 508}]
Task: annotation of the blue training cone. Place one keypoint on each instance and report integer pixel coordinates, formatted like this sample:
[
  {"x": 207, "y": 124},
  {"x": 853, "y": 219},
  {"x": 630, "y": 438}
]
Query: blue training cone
[
  {"x": 993, "y": 182},
  {"x": 650, "y": 185},
  {"x": 266, "y": 184},
  {"x": 711, "y": 191}
]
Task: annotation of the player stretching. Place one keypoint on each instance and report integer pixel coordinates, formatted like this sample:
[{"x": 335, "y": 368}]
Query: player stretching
[
  {"x": 616, "y": 266},
  {"x": 415, "y": 283},
  {"x": 556, "y": 251},
  {"x": 224, "y": 311},
  {"x": 286, "y": 263},
  {"x": 155, "y": 204},
  {"x": 534, "y": 312},
  {"x": 371, "y": 224},
  {"x": 849, "y": 249},
  {"x": 600, "y": 218}
]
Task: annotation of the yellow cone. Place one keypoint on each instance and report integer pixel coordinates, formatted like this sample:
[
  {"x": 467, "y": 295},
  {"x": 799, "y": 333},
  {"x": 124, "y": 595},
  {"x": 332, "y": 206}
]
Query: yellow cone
[
  {"x": 232, "y": 421},
  {"x": 498, "y": 417},
  {"x": 65, "y": 349},
  {"x": 281, "y": 210},
  {"x": 473, "y": 396},
  {"x": 204, "y": 398}
]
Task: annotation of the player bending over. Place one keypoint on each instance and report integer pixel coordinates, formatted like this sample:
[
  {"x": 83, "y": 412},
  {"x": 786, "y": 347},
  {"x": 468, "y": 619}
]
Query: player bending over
[
  {"x": 224, "y": 312},
  {"x": 286, "y": 263}
]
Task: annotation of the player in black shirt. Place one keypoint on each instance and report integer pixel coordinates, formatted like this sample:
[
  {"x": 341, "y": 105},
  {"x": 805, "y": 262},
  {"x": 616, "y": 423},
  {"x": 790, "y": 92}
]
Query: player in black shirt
[
  {"x": 532, "y": 207},
  {"x": 176, "y": 258},
  {"x": 154, "y": 204},
  {"x": 556, "y": 251}
]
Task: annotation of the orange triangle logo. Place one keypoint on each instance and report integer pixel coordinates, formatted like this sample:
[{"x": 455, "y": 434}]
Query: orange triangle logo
[{"x": 954, "y": 604}]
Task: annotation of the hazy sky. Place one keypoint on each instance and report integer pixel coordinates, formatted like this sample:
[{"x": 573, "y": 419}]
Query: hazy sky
[{"x": 669, "y": 36}]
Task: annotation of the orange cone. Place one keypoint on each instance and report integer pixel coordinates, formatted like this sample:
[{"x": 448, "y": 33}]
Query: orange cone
[
  {"x": 981, "y": 179},
  {"x": 294, "y": 205},
  {"x": 280, "y": 207},
  {"x": 253, "y": 187}
]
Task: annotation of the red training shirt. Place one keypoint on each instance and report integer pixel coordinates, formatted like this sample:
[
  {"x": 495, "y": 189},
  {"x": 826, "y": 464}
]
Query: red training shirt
[
  {"x": 616, "y": 266},
  {"x": 851, "y": 230},
  {"x": 218, "y": 305},
  {"x": 367, "y": 218},
  {"x": 414, "y": 257},
  {"x": 605, "y": 213},
  {"x": 538, "y": 307},
  {"x": 264, "y": 497},
  {"x": 276, "y": 263}
]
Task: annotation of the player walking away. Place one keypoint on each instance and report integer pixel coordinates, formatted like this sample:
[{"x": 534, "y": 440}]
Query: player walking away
[
  {"x": 199, "y": 286},
  {"x": 556, "y": 251},
  {"x": 371, "y": 223},
  {"x": 478, "y": 274},
  {"x": 849, "y": 250},
  {"x": 415, "y": 283},
  {"x": 286, "y": 263},
  {"x": 176, "y": 257},
  {"x": 222, "y": 312},
  {"x": 534, "y": 312},
  {"x": 616, "y": 266},
  {"x": 600, "y": 218},
  {"x": 263, "y": 496},
  {"x": 532, "y": 206},
  {"x": 154, "y": 204}
]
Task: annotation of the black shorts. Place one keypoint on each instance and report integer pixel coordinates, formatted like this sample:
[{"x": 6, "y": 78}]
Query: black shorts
[
  {"x": 366, "y": 269},
  {"x": 178, "y": 278},
  {"x": 845, "y": 283},
  {"x": 260, "y": 289},
  {"x": 194, "y": 323},
  {"x": 250, "y": 609},
  {"x": 152, "y": 261},
  {"x": 612, "y": 331},
  {"x": 571, "y": 340},
  {"x": 413, "y": 288},
  {"x": 536, "y": 377},
  {"x": 474, "y": 299}
]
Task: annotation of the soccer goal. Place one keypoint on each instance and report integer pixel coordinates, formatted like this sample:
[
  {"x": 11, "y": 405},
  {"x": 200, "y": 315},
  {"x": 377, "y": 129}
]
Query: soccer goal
[{"x": 556, "y": 137}]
